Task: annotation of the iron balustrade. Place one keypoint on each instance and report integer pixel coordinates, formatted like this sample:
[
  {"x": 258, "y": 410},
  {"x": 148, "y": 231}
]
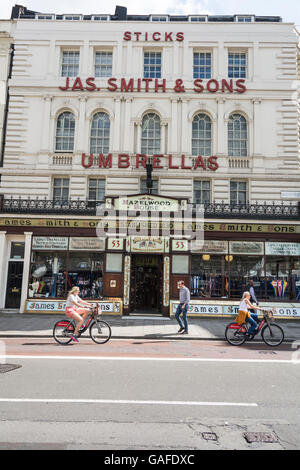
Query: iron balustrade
[{"x": 222, "y": 209}]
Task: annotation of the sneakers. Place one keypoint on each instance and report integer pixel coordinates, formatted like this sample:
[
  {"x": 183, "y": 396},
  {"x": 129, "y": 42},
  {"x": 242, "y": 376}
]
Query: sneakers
[
  {"x": 74, "y": 338},
  {"x": 185, "y": 332},
  {"x": 180, "y": 329}
]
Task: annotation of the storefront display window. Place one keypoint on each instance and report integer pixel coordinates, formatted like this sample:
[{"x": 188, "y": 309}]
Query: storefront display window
[
  {"x": 85, "y": 270},
  {"x": 209, "y": 276},
  {"x": 278, "y": 278},
  {"x": 48, "y": 274},
  {"x": 243, "y": 269}
]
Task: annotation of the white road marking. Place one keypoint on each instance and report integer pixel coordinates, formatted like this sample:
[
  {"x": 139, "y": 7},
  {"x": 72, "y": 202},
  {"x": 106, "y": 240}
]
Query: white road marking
[
  {"x": 157, "y": 359},
  {"x": 123, "y": 402}
]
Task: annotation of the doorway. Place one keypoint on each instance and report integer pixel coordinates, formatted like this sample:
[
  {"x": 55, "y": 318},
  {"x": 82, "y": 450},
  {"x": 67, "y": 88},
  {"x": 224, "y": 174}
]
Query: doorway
[
  {"x": 14, "y": 284},
  {"x": 146, "y": 284}
]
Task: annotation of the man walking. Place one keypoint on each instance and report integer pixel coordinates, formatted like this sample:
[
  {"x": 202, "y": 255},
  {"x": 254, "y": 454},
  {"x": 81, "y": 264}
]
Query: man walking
[{"x": 184, "y": 299}]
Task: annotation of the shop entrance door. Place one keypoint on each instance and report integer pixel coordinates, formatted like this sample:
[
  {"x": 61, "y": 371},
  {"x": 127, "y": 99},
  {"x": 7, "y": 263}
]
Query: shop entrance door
[
  {"x": 14, "y": 284},
  {"x": 146, "y": 284}
]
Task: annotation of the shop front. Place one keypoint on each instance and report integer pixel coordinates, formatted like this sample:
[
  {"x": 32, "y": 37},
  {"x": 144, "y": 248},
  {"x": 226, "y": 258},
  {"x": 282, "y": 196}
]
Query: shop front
[{"x": 137, "y": 273}]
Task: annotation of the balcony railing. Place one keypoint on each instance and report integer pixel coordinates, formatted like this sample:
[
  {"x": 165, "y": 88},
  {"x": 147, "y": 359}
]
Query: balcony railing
[{"x": 256, "y": 210}]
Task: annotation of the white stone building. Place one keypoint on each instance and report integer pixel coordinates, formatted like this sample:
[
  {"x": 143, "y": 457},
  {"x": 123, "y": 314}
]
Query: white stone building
[{"x": 212, "y": 100}]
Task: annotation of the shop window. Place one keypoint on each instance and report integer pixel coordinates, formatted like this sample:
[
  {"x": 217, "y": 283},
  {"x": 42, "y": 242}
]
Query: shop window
[
  {"x": 283, "y": 278},
  {"x": 152, "y": 64},
  {"x": 201, "y": 192},
  {"x": 48, "y": 274},
  {"x": 237, "y": 136},
  {"x": 201, "y": 135},
  {"x": 237, "y": 65},
  {"x": 202, "y": 65},
  {"x": 70, "y": 64},
  {"x": 103, "y": 64},
  {"x": 151, "y": 134},
  {"x": 180, "y": 264},
  {"x": 238, "y": 192},
  {"x": 65, "y": 132},
  {"x": 85, "y": 270},
  {"x": 61, "y": 189},
  {"x": 209, "y": 276},
  {"x": 100, "y": 130},
  {"x": 242, "y": 270}
]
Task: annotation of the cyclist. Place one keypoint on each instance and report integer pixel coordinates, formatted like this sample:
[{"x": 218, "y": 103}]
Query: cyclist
[
  {"x": 244, "y": 314},
  {"x": 75, "y": 310}
]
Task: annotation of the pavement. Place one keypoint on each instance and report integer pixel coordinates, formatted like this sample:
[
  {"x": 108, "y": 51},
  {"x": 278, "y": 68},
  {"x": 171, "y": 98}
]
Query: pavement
[{"x": 134, "y": 326}]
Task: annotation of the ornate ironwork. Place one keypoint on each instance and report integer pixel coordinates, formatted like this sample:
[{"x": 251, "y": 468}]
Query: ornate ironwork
[{"x": 256, "y": 210}]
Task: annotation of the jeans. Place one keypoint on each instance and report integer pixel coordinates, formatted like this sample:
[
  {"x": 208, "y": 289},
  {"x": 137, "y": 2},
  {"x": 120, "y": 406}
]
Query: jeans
[
  {"x": 179, "y": 311},
  {"x": 253, "y": 322}
]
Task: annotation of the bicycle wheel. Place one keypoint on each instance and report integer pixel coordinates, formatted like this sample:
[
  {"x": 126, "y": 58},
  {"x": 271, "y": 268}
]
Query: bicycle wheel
[
  {"x": 272, "y": 335},
  {"x": 62, "y": 331},
  {"x": 234, "y": 335},
  {"x": 100, "y": 331}
]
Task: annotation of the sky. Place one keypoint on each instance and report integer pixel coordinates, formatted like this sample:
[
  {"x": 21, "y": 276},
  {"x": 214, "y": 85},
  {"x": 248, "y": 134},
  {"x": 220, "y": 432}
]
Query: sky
[{"x": 289, "y": 10}]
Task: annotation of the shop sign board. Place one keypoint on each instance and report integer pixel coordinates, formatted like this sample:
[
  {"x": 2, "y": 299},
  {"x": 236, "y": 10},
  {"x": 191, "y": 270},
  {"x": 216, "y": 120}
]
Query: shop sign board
[
  {"x": 49, "y": 243},
  {"x": 87, "y": 243},
  {"x": 146, "y": 203},
  {"x": 285, "y": 310},
  {"x": 115, "y": 243},
  {"x": 209, "y": 309},
  {"x": 147, "y": 244},
  {"x": 246, "y": 248},
  {"x": 282, "y": 249},
  {"x": 209, "y": 246},
  {"x": 58, "y": 306}
]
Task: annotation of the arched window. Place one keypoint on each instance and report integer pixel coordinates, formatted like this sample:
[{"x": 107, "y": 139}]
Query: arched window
[
  {"x": 201, "y": 135},
  {"x": 237, "y": 136},
  {"x": 150, "y": 134},
  {"x": 65, "y": 131},
  {"x": 100, "y": 133}
]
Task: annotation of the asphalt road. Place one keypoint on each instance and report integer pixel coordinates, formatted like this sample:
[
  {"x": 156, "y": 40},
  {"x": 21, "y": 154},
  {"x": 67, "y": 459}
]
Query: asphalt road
[{"x": 148, "y": 394}]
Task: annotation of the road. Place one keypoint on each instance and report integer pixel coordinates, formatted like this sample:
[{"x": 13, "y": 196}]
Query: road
[{"x": 148, "y": 394}]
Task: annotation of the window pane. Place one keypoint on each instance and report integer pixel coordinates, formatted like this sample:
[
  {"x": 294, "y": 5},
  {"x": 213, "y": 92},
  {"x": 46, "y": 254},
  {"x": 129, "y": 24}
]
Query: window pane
[
  {"x": 65, "y": 131},
  {"x": 100, "y": 130}
]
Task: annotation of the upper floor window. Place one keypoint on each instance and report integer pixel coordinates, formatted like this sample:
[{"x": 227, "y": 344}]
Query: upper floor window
[
  {"x": 100, "y": 130},
  {"x": 197, "y": 19},
  {"x": 201, "y": 192},
  {"x": 150, "y": 134},
  {"x": 45, "y": 17},
  {"x": 100, "y": 17},
  {"x": 202, "y": 65},
  {"x": 61, "y": 189},
  {"x": 144, "y": 189},
  {"x": 65, "y": 131},
  {"x": 70, "y": 64},
  {"x": 201, "y": 135},
  {"x": 103, "y": 64},
  {"x": 152, "y": 64},
  {"x": 237, "y": 136},
  {"x": 244, "y": 19},
  {"x": 96, "y": 189},
  {"x": 72, "y": 17},
  {"x": 237, "y": 65},
  {"x": 238, "y": 192},
  {"x": 159, "y": 18}
]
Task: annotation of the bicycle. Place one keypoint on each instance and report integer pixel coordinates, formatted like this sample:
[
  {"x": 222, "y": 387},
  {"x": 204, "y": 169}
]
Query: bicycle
[
  {"x": 99, "y": 330},
  {"x": 272, "y": 334}
]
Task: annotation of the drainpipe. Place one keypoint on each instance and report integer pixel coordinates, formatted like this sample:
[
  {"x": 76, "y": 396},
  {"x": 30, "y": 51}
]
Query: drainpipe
[{"x": 12, "y": 49}]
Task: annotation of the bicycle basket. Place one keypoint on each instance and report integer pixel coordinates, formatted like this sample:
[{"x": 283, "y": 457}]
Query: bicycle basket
[{"x": 270, "y": 313}]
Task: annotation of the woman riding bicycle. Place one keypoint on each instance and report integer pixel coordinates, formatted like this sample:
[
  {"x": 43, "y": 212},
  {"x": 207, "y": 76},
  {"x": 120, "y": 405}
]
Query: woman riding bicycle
[
  {"x": 244, "y": 315},
  {"x": 75, "y": 310}
]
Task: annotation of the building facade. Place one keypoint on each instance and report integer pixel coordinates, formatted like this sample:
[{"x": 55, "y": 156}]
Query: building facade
[{"x": 209, "y": 103}]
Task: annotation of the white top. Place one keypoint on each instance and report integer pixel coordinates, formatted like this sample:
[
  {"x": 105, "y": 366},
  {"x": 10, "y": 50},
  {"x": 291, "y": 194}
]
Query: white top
[
  {"x": 243, "y": 306},
  {"x": 71, "y": 299}
]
